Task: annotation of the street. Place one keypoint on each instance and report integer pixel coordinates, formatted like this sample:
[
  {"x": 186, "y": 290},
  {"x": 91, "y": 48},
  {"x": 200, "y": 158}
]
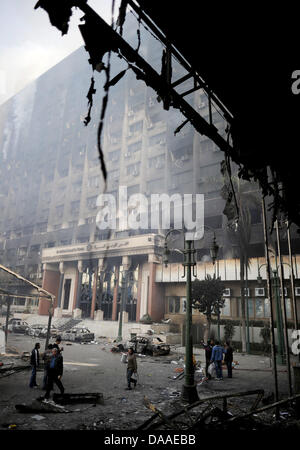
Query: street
[{"x": 93, "y": 368}]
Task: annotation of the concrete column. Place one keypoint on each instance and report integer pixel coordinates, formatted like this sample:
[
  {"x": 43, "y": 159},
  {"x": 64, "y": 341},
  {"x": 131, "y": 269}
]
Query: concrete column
[
  {"x": 58, "y": 309},
  {"x": 77, "y": 310},
  {"x": 50, "y": 283},
  {"x": 156, "y": 301},
  {"x": 94, "y": 294},
  {"x": 139, "y": 293},
  {"x": 115, "y": 295}
]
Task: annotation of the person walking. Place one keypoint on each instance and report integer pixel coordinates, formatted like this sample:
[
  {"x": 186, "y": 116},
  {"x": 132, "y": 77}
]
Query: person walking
[
  {"x": 34, "y": 362},
  {"x": 228, "y": 358},
  {"x": 55, "y": 372},
  {"x": 131, "y": 368},
  {"x": 217, "y": 358},
  {"x": 46, "y": 358},
  {"x": 57, "y": 344},
  {"x": 208, "y": 352}
]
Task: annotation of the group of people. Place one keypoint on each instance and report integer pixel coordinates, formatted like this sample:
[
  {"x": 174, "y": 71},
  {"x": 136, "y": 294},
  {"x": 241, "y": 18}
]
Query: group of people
[
  {"x": 53, "y": 367},
  {"x": 53, "y": 364},
  {"x": 214, "y": 354}
]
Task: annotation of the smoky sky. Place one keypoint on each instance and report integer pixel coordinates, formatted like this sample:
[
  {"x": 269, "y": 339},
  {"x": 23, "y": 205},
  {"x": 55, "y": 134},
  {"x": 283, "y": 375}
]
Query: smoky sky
[{"x": 30, "y": 45}]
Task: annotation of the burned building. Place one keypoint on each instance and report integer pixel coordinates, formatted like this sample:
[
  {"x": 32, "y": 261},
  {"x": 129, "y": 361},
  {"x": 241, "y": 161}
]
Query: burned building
[{"x": 51, "y": 180}]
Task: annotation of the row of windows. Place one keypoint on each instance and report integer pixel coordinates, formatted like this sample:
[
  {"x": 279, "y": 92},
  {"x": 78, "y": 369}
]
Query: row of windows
[{"x": 258, "y": 308}]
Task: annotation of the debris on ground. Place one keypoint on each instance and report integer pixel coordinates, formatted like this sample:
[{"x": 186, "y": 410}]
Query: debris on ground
[
  {"x": 212, "y": 413},
  {"x": 41, "y": 405},
  {"x": 67, "y": 399},
  {"x": 38, "y": 417}
]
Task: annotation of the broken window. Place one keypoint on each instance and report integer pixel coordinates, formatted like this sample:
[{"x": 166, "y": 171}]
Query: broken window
[
  {"x": 114, "y": 156},
  {"x": 59, "y": 211},
  {"x": 92, "y": 202},
  {"x": 75, "y": 207},
  {"x": 173, "y": 305},
  {"x": 136, "y": 127},
  {"x": 135, "y": 147},
  {"x": 157, "y": 139},
  {"x": 41, "y": 227},
  {"x": 133, "y": 169},
  {"x": 157, "y": 162}
]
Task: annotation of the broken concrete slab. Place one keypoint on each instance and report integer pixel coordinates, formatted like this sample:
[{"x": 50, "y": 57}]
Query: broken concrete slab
[
  {"x": 68, "y": 399},
  {"x": 41, "y": 405}
]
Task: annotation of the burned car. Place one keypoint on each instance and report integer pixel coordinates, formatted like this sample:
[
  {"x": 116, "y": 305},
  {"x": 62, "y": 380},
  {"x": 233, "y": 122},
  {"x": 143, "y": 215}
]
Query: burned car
[
  {"x": 39, "y": 330},
  {"x": 17, "y": 326},
  {"x": 153, "y": 346},
  {"x": 78, "y": 335}
]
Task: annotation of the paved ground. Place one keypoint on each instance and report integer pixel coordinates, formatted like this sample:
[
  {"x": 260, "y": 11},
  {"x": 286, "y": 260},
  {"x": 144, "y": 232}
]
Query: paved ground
[{"x": 94, "y": 368}]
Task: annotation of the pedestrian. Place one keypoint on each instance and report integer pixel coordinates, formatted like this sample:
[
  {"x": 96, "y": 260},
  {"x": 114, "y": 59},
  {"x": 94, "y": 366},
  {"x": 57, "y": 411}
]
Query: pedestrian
[
  {"x": 57, "y": 344},
  {"x": 228, "y": 358},
  {"x": 46, "y": 358},
  {"x": 34, "y": 362},
  {"x": 131, "y": 368},
  {"x": 217, "y": 358},
  {"x": 55, "y": 372},
  {"x": 208, "y": 351}
]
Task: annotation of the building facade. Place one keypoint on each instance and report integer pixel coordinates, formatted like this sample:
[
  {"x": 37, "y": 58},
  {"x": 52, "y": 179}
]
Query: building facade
[{"x": 51, "y": 179}]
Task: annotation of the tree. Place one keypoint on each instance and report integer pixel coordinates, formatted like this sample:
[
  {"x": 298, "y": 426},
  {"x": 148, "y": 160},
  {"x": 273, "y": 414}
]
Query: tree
[
  {"x": 207, "y": 297},
  {"x": 229, "y": 331}
]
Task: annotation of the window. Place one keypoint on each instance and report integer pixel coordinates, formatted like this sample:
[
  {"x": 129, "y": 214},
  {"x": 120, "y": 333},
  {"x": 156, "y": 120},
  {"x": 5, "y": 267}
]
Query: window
[
  {"x": 22, "y": 251},
  {"x": 136, "y": 127},
  {"x": 59, "y": 211},
  {"x": 90, "y": 220},
  {"x": 34, "y": 249},
  {"x": 157, "y": 139},
  {"x": 75, "y": 207},
  {"x": 158, "y": 162},
  {"x": 41, "y": 227},
  {"x": 250, "y": 308},
  {"x": 91, "y": 202},
  {"x": 114, "y": 156},
  {"x": 82, "y": 240},
  {"x": 27, "y": 231},
  {"x": 135, "y": 147},
  {"x": 173, "y": 304},
  {"x": 259, "y": 308},
  {"x": 133, "y": 169},
  {"x": 94, "y": 181},
  {"x": 288, "y": 308},
  {"x": 183, "y": 305},
  {"x": 113, "y": 174},
  {"x": 226, "y": 311},
  {"x": 73, "y": 224},
  {"x": 49, "y": 244}
]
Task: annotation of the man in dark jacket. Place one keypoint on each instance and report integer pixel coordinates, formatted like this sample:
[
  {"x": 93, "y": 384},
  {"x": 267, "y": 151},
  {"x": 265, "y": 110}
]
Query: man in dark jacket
[
  {"x": 47, "y": 358},
  {"x": 55, "y": 372},
  {"x": 208, "y": 351},
  {"x": 57, "y": 344},
  {"x": 228, "y": 358},
  {"x": 34, "y": 362}
]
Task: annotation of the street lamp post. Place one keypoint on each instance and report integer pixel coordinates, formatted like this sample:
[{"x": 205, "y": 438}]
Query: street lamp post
[
  {"x": 189, "y": 390},
  {"x": 122, "y": 304}
]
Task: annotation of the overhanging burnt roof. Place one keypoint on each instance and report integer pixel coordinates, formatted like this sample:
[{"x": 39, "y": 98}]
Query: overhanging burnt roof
[{"x": 245, "y": 54}]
